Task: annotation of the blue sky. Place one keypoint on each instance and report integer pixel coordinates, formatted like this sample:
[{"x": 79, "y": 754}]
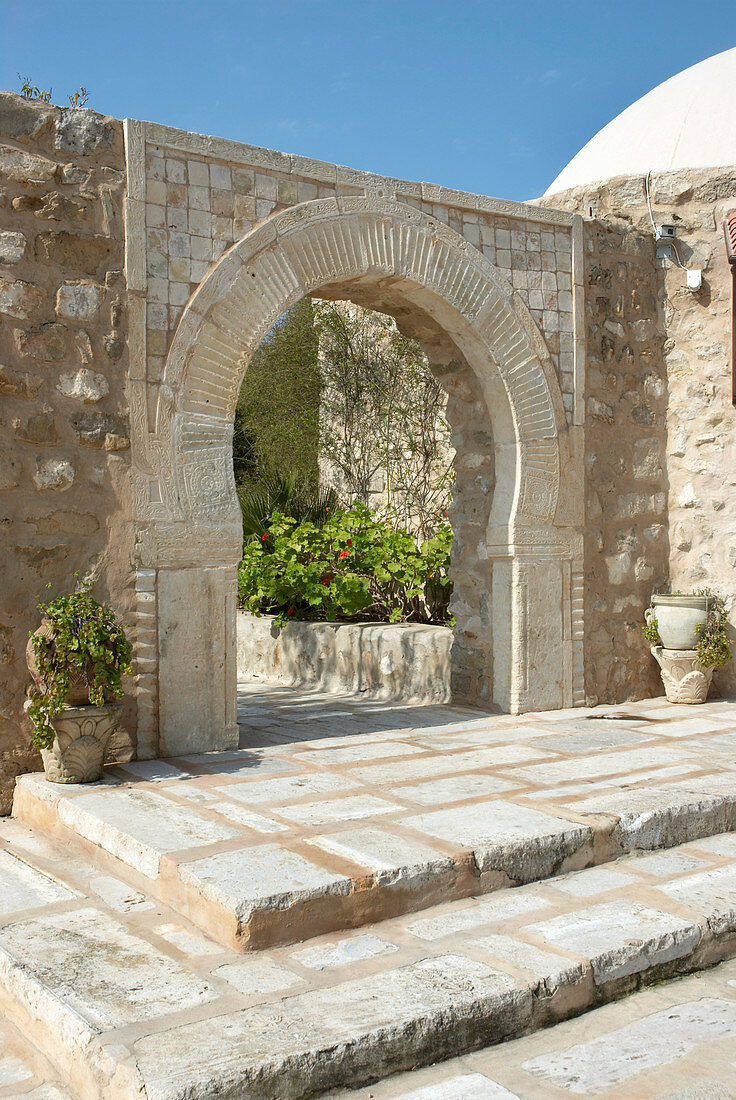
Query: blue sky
[{"x": 486, "y": 96}]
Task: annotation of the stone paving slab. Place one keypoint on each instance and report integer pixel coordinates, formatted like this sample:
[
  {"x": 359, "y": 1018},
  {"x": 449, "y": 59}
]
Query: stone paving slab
[
  {"x": 379, "y": 809},
  {"x": 128, "y": 1001}
]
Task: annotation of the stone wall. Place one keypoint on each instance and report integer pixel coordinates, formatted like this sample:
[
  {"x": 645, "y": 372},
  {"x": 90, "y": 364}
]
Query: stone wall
[
  {"x": 398, "y": 661},
  {"x": 64, "y": 451},
  {"x": 699, "y": 471},
  {"x": 625, "y": 440}
]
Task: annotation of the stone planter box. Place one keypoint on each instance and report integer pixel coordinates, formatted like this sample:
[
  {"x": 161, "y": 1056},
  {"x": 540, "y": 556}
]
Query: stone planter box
[{"x": 383, "y": 660}]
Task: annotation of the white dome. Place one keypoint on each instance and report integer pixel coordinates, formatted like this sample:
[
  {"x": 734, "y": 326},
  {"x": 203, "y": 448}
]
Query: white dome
[{"x": 689, "y": 121}]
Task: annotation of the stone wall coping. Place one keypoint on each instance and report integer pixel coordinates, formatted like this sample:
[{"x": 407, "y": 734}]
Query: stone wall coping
[{"x": 320, "y": 171}]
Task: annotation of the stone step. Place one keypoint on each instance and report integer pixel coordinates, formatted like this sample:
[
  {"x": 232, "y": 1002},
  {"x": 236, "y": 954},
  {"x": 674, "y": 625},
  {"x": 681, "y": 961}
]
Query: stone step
[
  {"x": 126, "y": 999},
  {"x": 273, "y": 846},
  {"x": 24, "y": 1072},
  {"x": 676, "y": 1041}
]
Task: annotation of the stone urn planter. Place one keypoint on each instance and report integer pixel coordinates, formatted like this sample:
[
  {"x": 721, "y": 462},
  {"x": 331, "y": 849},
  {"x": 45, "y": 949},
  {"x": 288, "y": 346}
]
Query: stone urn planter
[
  {"x": 689, "y": 639},
  {"x": 82, "y": 735},
  {"x": 685, "y": 679},
  {"x": 677, "y": 619},
  {"x": 76, "y": 659}
]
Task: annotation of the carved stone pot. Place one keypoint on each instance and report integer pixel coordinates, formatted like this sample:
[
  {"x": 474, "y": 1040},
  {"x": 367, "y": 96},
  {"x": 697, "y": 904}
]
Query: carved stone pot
[
  {"x": 82, "y": 737},
  {"x": 684, "y": 679}
]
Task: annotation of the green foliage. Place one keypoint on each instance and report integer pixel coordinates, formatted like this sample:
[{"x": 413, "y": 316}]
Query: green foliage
[
  {"x": 31, "y": 91},
  {"x": 85, "y": 640},
  {"x": 277, "y": 415},
  {"x": 351, "y": 565},
  {"x": 713, "y": 646},
  {"x": 290, "y": 495}
]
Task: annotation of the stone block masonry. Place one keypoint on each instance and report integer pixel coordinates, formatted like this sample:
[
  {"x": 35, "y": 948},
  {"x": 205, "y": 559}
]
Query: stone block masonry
[
  {"x": 64, "y": 451},
  {"x": 677, "y": 386}
]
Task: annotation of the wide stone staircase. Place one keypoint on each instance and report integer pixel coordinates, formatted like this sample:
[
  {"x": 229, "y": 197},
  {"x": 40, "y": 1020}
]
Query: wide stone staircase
[{"x": 304, "y": 916}]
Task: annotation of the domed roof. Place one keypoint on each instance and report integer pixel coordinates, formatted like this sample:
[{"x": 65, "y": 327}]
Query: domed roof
[{"x": 689, "y": 121}]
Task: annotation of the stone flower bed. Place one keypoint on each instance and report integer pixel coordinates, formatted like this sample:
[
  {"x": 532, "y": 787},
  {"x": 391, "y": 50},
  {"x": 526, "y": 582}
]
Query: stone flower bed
[{"x": 408, "y": 661}]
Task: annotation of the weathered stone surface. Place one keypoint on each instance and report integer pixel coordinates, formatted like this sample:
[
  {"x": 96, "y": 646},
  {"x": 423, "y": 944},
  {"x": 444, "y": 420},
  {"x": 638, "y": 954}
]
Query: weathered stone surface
[
  {"x": 81, "y": 130},
  {"x": 296, "y": 786},
  {"x": 139, "y": 826},
  {"x": 23, "y": 887},
  {"x": 328, "y": 956},
  {"x": 84, "y": 385},
  {"x": 387, "y": 661},
  {"x": 20, "y": 299},
  {"x": 712, "y": 892},
  {"x": 620, "y": 937},
  {"x": 523, "y": 843},
  {"x": 79, "y": 301},
  {"x": 256, "y": 976},
  {"x": 19, "y": 383},
  {"x": 329, "y": 811},
  {"x": 24, "y": 167},
  {"x": 39, "y": 428},
  {"x": 391, "y": 858},
  {"x": 110, "y": 977},
  {"x": 96, "y": 429},
  {"x": 369, "y": 1021},
  {"x": 263, "y": 877},
  {"x": 10, "y": 470},
  {"x": 12, "y": 247},
  {"x": 46, "y": 341},
  {"x": 54, "y": 473},
  {"x": 656, "y": 1040},
  {"x": 74, "y": 251},
  {"x": 19, "y": 118}
]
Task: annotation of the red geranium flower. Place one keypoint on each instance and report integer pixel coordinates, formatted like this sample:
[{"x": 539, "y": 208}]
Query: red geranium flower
[
  {"x": 344, "y": 553},
  {"x": 263, "y": 538}
]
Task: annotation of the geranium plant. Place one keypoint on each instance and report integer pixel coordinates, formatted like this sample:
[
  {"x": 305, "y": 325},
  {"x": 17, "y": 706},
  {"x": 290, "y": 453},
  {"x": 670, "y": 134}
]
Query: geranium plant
[
  {"x": 352, "y": 565},
  {"x": 84, "y": 641}
]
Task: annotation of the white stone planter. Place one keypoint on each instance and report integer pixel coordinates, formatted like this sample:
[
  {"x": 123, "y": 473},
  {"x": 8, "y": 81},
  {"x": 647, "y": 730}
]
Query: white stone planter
[
  {"x": 392, "y": 661},
  {"x": 82, "y": 737},
  {"x": 677, "y": 619},
  {"x": 684, "y": 679}
]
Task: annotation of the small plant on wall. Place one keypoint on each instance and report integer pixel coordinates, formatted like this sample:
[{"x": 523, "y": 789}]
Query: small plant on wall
[{"x": 80, "y": 650}]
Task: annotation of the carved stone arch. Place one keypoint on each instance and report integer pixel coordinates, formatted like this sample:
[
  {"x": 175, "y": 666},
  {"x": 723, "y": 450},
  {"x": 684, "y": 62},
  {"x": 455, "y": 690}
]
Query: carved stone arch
[{"x": 397, "y": 259}]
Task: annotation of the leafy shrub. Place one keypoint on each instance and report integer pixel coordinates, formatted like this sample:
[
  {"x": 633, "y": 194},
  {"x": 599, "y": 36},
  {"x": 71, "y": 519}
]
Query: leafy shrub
[
  {"x": 351, "y": 566},
  {"x": 85, "y": 640},
  {"x": 289, "y": 495}
]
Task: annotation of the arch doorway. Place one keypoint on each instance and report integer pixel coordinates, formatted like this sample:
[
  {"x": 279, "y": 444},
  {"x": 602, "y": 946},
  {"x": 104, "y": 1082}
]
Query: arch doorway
[{"x": 517, "y": 558}]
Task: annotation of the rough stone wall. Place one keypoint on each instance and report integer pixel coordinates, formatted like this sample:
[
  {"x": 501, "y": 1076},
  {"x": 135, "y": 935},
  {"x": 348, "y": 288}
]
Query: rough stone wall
[
  {"x": 700, "y": 464},
  {"x": 64, "y": 451},
  {"x": 625, "y": 440}
]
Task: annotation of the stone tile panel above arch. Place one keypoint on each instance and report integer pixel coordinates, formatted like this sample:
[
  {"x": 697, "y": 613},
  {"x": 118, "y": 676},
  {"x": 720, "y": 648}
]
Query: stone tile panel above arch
[{"x": 194, "y": 196}]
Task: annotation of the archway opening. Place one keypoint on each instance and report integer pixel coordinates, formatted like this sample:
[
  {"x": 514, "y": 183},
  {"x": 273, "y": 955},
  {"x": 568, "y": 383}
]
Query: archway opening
[
  {"x": 522, "y": 541},
  {"x": 345, "y": 420}
]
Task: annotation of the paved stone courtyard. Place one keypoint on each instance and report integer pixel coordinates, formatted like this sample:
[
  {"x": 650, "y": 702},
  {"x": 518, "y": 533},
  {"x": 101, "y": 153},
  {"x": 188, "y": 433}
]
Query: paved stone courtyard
[{"x": 331, "y": 903}]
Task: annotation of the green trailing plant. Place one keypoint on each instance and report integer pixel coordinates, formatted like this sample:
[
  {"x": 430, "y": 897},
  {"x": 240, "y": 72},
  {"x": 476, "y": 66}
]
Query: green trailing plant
[
  {"x": 352, "y": 565},
  {"x": 84, "y": 641},
  {"x": 292, "y": 495},
  {"x": 713, "y": 646}
]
